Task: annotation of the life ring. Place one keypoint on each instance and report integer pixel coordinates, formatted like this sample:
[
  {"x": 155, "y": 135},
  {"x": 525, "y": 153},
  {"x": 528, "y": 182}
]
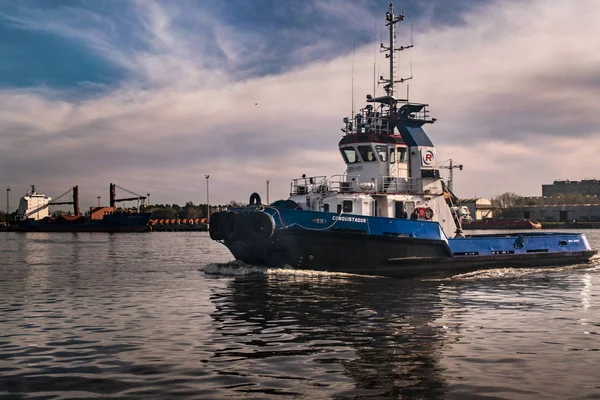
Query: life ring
[
  {"x": 259, "y": 226},
  {"x": 214, "y": 227},
  {"x": 255, "y": 199},
  {"x": 428, "y": 213},
  {"x": 421, "y": 212}
]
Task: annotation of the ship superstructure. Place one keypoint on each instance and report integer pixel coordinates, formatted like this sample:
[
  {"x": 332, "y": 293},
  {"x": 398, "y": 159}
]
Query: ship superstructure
[
  {"x": 32, "y": 205},
  {"x": 391, "y": 168}
]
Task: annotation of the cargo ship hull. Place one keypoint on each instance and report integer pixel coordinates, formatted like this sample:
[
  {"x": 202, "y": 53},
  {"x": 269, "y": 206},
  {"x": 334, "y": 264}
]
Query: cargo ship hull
[
  {"x": 117, "y": 222},
  {"x": 82, "y": 228}
]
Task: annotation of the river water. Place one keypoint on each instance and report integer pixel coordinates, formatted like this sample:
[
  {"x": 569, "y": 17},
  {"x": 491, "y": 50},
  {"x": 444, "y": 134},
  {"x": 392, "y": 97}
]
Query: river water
[{"x": 168, "y": 315}]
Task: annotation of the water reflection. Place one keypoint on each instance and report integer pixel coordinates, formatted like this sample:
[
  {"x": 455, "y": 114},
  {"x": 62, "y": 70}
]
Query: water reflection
[{"x": 344, "y": 337}]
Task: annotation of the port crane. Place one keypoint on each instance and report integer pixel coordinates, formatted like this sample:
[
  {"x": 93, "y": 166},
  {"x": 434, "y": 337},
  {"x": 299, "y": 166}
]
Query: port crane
[
  {"x": 113, "y": 196},
  {"x": 449, "y": 164}
]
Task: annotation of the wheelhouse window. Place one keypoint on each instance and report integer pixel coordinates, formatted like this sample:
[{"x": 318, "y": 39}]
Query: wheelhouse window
[
  {"x": 392, "y": 155},
  {"x": 367, "y": 154},
  {"x": 381, "y": 152},
  {"x": 402, "y": 154},
  {"x": 350, "y": 155}
]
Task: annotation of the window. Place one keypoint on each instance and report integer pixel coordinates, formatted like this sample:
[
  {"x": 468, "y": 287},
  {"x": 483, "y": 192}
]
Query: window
[
  {"x": 430, "y": 173},
  {"x": 325, "y": 207},
  {"x": 347, "y": 205},
  {"x": 382, "y": 153},
  {"x": 402, "y": 154},
  {"x": 366, "y": 152},
  {"x": 392, "y": 155},
  {"x": 339, "y": 208},
  {"x": 349, "y": 154}
]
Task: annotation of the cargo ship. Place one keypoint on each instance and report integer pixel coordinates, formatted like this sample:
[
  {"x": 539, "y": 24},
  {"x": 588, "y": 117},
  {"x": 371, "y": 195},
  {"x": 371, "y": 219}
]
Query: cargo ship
[{"x": 33, "y": 216}]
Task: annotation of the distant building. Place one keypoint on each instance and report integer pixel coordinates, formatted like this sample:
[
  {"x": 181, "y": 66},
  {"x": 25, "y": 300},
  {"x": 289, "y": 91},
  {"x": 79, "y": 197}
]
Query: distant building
[
  {"x": 479, "y": 208},
  {"x": 558, "y": 212},
  {"x": 584, "y": 187}
]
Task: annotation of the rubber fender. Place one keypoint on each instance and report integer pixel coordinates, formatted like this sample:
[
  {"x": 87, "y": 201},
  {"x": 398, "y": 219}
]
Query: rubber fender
[
  {"x": 428, "y": 213},
  {"x": 237, "y": 227},
  {"x": 259, "y": 226},
  {"x": 214, "y": 227},
  {"x": 255, "y": 199},
  {"x": 224, "y": 224}
]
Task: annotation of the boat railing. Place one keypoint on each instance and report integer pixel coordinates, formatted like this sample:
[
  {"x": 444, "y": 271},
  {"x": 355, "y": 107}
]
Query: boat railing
[
  {"x": 307, "y": 185},
  {"x": 340, "y": 184},
  {"x": 393, "y": 184},
  {"x": 368, "y": 121},
  {"x": 382, "y": 120}
]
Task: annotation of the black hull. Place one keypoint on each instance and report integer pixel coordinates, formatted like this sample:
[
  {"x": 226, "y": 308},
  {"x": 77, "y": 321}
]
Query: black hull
[
  {"x": 180, "y": 228},
  {"x": 391, "y": 256}
]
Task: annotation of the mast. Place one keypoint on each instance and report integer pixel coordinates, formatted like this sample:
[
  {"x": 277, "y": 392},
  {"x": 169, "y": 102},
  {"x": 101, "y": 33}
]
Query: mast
[{"x": 392, "y": 20}]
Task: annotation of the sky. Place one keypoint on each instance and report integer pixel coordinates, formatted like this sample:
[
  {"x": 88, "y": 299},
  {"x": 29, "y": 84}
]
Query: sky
[{"x": 154, "y": 95}]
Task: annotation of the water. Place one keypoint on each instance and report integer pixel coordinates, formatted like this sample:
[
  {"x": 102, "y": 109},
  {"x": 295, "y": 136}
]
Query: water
[{"x": 93, "y": 315}]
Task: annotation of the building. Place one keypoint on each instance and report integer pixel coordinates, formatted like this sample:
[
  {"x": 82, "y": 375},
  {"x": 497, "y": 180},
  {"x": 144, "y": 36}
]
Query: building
[
  {"x": 558, "y": 212},
  {"x": 479, "y": 208},
  {"x": 585, "y": 187}
]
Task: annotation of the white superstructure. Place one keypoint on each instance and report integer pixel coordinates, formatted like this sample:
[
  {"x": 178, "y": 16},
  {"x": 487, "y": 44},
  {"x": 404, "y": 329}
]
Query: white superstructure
[
  {"x": 33, "y": 205},
  {"x": 391, "y": 167}
]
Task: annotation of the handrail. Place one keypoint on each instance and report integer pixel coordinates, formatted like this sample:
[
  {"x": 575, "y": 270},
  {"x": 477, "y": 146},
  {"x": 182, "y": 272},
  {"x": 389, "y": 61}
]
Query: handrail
[{"x": 339, "y": 184}]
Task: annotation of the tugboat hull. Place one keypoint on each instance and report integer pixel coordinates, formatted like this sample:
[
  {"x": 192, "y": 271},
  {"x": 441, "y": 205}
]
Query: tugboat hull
[
  {"x": 402, "y": 256},
  {"x": 334, "y": 251}
]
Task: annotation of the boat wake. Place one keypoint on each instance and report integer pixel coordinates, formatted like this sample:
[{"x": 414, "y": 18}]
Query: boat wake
[
  {"x": 515, "y": 273},
  {"x": 240, "y": 268},
  {"x": 234, "y": 268}
]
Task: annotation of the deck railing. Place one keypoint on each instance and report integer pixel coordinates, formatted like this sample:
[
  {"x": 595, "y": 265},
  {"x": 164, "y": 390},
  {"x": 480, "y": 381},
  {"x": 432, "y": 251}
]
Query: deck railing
[{"x": 340, "y": 184}]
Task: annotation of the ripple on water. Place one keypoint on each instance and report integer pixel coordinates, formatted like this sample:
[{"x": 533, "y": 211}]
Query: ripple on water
[{"x": 130, "y": 316}]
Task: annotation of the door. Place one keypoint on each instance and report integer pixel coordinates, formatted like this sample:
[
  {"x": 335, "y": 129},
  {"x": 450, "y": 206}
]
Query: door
[
  {"x": 563, "y": 216},
  {"x": 399, "y": 211}
]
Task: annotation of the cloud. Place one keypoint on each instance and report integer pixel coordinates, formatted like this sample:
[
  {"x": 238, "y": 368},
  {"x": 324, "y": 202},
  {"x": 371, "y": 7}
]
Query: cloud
[{"x": 513, "y": 85}]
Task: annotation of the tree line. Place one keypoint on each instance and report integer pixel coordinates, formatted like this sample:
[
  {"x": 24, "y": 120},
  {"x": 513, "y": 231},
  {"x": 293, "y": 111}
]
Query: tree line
[{"x": 188, "y": 211}]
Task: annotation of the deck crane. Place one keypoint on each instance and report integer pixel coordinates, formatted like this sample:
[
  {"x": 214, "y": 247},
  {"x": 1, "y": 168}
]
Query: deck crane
[
  {"x": 114, "y": 200},
  {"x": 75, "y": 202},
  {"x": 449, "y": 164}
]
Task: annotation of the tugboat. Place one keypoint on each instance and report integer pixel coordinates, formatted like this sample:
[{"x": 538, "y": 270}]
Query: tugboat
[{"x": 390, "y": 214}]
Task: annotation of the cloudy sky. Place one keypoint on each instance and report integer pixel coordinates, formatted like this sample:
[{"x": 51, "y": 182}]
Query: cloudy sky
[{"x": 153, "y": 95}]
